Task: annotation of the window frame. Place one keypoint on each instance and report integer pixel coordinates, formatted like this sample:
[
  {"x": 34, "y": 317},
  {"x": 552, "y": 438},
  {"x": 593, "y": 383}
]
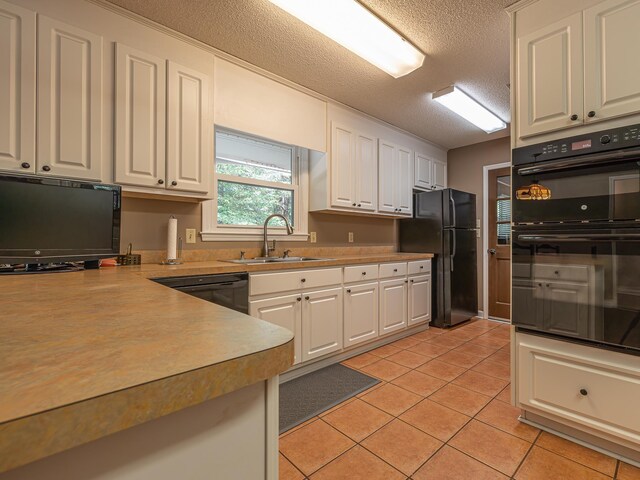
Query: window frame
[{"x": 213, "y": 232}]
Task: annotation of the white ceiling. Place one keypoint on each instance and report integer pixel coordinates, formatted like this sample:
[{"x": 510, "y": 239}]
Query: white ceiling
[{"x": 466, "y": 43}]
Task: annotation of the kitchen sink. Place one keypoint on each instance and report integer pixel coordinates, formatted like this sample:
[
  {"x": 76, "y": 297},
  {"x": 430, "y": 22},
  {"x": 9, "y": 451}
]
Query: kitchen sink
[{"x": 259, "y": 260}]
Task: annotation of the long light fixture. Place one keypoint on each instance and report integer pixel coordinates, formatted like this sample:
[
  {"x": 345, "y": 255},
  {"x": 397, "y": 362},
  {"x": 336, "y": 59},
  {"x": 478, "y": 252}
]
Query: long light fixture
[
  {"x": 356, "y": 28},
  {"x": 459, "y": 102}
]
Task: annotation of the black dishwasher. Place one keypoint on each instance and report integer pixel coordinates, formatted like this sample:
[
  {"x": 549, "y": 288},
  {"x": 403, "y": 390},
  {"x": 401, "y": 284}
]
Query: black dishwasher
[{"x": 230, "y": 290}]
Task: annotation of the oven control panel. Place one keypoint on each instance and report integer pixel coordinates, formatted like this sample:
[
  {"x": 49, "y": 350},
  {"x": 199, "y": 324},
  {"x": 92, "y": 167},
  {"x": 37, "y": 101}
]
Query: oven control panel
[{"x": 602, "y": 141}]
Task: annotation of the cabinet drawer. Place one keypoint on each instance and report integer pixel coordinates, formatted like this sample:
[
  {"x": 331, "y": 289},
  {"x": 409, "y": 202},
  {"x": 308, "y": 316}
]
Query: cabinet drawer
[
  {"x": 422, "y": 266},
  {"x": 597, "y": 389},
  {"x": 360, "y": 273},
  {"x": 263, "y": 283},
  {"x": 390, "y": 270},
  {"x": 574, "y": 273}
]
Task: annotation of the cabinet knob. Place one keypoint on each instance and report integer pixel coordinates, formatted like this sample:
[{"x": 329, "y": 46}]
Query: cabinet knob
[
  {"x": 364, "y": 273},
  {"x": 539, "y": 284},
  {"x": 174, "y": 183},
  {"x": 348, "y": 290},
  {"x": 299, "y": 299},
  {"x": 160, "y": 181},
  {"x": 412, "y": 280},
  {"x": 25, "y": 165},
  {"x": 557, "y": 272},
  {"x": 303, "y": 280},
  {"x": 407, "y": 281},
  {"x": 547, "y": 285},
  {"x": 421, "y": 267},
  {"x": 591, "y": 114},
  {"x": 46, "y": 168},
  {"x": 359, "y": 204},
  {"x": 353, "y": 204},
  {"x": 583, "y": 392},
  {"x": 306, "y": 298},
  {"x": 574, "y": 117},
  {"x": 395, "y": 269}
]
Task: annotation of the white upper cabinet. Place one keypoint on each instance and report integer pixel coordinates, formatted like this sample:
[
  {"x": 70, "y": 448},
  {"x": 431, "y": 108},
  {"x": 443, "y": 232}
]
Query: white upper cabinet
[
  {"x": 612, "y": 63},
  {"x": 342, "y": 166},
  {"x": 17, "y": 88},
  {"x": 70, "y": 100},
  {"x": 423, "y": 169},
  {"x": 395, "y": 186},
  {"x": 140, "y": 114},
  {"x": 366, "y": 172},
  {"x": 549, "y": 77},
  {"x": 439, "y": 175},
  {"x": 189, "y": 136}
]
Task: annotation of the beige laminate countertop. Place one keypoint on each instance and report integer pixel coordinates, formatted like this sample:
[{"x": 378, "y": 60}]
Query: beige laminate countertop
[{"x": 87, "y": 354}]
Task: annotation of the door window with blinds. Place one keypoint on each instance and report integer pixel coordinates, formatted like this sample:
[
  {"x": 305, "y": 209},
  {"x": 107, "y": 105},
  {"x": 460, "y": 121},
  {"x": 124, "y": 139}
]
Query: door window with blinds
[
  {"x": 254, "y": 178},
  {"x": 503, "y": 209}
]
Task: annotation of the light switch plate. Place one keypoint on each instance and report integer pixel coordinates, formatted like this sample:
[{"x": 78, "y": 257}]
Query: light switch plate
[
  {"x": 312, "y": 237},
  {"x": 191, "y": 235},
  {"x": 350, "y": 237}
]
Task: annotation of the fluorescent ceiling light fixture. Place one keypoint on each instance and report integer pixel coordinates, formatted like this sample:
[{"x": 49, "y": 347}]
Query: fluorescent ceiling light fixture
[
  {"x": 356, "y": 28},
  {"x": 459, "y": 102}
]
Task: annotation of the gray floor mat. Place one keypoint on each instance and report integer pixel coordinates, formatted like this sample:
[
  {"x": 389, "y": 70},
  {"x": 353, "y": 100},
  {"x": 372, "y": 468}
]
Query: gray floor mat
[{"x": 305, "y": 397}]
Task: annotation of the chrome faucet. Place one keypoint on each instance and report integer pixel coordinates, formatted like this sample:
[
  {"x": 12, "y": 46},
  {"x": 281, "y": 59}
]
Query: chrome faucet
[{"x": 265, "y": 247}]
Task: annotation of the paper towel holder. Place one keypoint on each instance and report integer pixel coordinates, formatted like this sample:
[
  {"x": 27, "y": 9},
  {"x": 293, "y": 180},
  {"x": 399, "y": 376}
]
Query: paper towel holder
[{"x": 175, "y": 261}]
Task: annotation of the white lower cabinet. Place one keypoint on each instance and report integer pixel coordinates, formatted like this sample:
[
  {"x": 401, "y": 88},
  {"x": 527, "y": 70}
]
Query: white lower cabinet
[
  {"x": 321, "y": 323},
  {"x": 393, "y": 305},
  {"x": 419, "y": 299},
  {"x": 285, "y": 312},
  {"x": 591, "y": 389},
  {"x": 360, "y": 313}
]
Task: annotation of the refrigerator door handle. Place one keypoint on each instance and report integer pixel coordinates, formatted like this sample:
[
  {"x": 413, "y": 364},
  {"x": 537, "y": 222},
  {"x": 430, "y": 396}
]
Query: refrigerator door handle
[
  {"x": 453, "y": 210},
  {"x": 453, "y": 250}
]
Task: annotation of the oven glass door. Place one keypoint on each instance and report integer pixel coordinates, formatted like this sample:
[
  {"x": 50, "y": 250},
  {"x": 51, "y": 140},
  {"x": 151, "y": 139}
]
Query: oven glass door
[
  {"x": 580, "y": 190},
  {"x": 580, "y": 283}
]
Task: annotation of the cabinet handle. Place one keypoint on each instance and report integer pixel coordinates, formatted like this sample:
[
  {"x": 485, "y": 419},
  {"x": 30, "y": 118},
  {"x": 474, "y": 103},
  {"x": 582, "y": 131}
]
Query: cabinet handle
[
  {"x": 574, "y": 117},
  {"x": 299, "y": 299},
  {"x": 306, "y": 298},
  {"x": 591, "y": 114},
  {"x": 303, "y": 280},
  {"x": 160, "y": 181},
  {"x": 348, "y": 290},
  {"x": 583, "y": 392},
  {"x": 174, "y": 183},
  {"x": 25, "y": 165},
  {"x": 46, "y": 168}
]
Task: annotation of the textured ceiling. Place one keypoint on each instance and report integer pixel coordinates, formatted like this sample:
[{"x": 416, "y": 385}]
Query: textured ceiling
[{"x": 466, "y": 43}]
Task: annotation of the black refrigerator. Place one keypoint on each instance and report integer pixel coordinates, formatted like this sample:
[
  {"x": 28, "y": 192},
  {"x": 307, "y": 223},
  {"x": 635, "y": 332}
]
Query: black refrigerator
[{"x": 444, "y": 223}]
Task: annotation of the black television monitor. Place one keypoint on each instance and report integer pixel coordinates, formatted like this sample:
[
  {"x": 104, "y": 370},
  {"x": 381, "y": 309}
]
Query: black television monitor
[{"x": 55, "y": 220}]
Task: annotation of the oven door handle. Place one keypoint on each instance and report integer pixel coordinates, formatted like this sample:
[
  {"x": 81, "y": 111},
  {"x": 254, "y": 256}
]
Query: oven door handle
[
  {"x": 596, "y": 237},
  {"x": 585, "y": 161}
]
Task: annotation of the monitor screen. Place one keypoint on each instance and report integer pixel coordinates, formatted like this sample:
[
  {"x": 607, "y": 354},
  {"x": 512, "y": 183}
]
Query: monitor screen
[{"x": 50, "y": 219}]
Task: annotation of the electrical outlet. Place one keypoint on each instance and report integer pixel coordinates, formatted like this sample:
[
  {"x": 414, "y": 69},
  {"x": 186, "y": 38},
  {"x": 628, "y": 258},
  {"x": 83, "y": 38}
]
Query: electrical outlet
[
  {"x": 350, "y": 237},
  {"x": 191, "y": 235},
  {"x": 313, "y": 237}
]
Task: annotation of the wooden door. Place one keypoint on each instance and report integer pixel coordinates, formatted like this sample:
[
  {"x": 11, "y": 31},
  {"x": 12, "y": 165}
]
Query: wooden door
[
  {"x": 550, "y": 78},
  {"x": 342, "y": 166},
  {"x": 419, "y": 299},
  {"x": 366, "y": 172},
  {"x": 404, "y": 182},
  {"x": 360, "y": 313},
  {"x": 70, "y": 98},
  {"x": 439, "y": 175},
  {"x": 393, "y": 305},
  {"x": 189, "y": 130},
  {"x": 140, "y": 91},
  {"x": 386, "y": 177},
  {"x": 321, "y": 323},
  {"x": 17, "y": 88},
  {"x": 285, "y": 312},
  {"x": 612, "y": 63},
  {"x": 422, "y": 172},
  {"x": 500, "y": 243}
]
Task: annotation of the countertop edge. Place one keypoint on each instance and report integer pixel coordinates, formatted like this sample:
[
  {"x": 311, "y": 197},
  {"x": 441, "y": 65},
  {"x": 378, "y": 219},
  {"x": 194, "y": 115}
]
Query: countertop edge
[{"x": 36, "y": 436}]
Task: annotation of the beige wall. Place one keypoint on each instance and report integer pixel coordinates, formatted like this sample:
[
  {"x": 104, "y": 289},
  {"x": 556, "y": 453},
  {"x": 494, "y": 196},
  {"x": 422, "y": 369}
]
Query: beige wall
[
  {"x": 144, "y": 223},
  {"x": 465, "y": 173}
]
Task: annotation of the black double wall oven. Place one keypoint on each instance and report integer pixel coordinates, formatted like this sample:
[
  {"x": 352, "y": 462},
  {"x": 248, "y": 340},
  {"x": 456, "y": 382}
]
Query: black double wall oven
[{"x": 576, "y": 239}]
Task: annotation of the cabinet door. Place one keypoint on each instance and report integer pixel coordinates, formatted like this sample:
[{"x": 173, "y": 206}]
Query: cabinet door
[
  {"x": 422, "y": 172},
  {"x": 189, "y": 130},
  {"x": 17, "y": 88},
  {"x": 566, "y": 308},
  {"x": 343, "y": 140},
  {"x": 439, "y": 175},
  {"x": 612, "y": 63},
  {"x": 529, "y": 298},
  {"x": 285, "y": 312},
  {"x": 386, "y": 177},
  {"x": 69, "y": 101},
  {"x": 550, "y": 77},
  {"x": 404, "y": 181},
  {"x": 366, "y": 172},
  {"x": 140, "y": 114},
  {"x": 419, "y": 299},
  {"x": 393, "y": 306},
  {"x": 321, "y": 323},
  {"x": 360, "y": 313}
]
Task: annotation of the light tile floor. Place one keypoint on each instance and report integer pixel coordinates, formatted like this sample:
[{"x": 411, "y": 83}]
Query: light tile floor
[{"x": 441, "y": 412}]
